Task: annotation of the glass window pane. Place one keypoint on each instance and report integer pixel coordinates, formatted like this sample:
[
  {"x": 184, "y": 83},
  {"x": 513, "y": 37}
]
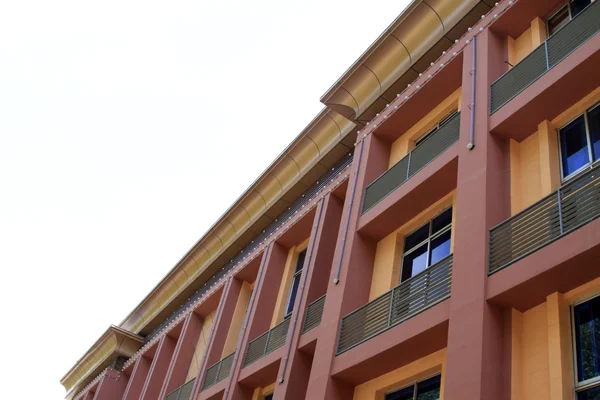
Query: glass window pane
[
  {"x": 293, "y": 291},
  {"x": 416, "y": 237},
  {"x": 441, "y": 221},
  {"x": 402, "y": 394},
  {"x": 578, "y": 5},
  {"x": 590, "y": 394},
  {"x": 594, "y": 126},
  {"x": 574, "y": 149},
  {"x": 429, "y": 389},
  {"x": 440, "y": 247},
  {"x": 558, "y": 20},
  {"x": 587, "y": 338},
  {"x": 269, "y": 397},
  {"x": 414, "y": 262},
  {"x": 300, "y": 261}
]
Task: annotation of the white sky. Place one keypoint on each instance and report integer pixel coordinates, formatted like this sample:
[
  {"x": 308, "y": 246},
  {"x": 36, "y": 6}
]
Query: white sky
[{"x": 126, "y": 129}]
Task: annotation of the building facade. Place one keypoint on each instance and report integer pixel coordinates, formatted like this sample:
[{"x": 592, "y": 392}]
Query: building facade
[{"x": 431, "y": 234}]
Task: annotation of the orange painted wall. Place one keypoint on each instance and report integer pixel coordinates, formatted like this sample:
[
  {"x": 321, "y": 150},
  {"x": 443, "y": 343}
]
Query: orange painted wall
[
  {"x": 520, "y": 47},
  {"x": 430, "y": 365},
  {"x": 405, "y": 143},
  {"x": 201, "y": 345},
  {"x": 388, "y": 254},
  {"x": 238, "y": 319}
]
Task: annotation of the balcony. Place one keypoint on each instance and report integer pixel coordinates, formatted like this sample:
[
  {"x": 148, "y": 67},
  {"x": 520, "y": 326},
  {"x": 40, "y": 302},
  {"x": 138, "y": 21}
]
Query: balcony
[
  {"x": 267, "y": 343},
  {"x": 183, "y": 392},
  {"x": 406, "y": 300},
  {"x": 545, "y": 57},
  {"x": 575, "y": 204},
  {"x": 314, "y": 313},
  {"x": 217, "y": 372},
  {"x": 427, "y": 151}
]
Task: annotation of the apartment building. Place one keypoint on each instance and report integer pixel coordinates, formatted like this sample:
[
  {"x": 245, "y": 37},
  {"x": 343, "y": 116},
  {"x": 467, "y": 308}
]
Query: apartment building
[{"x": 431, "y": 234}]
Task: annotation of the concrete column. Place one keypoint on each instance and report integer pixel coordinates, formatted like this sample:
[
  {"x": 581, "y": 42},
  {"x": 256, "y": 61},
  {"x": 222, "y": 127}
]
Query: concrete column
[
  {"x": 220, "y": 328},
  {"x": 183, "y": 354},
  {"x": 321, "y": 246},
  {"x": 355, "y": 259},
  {"x": 264, "y": 298},
  {"x": 137, "y": 379},
  {"x": 477, "y": 364},
  {"x": 89, "y": 395},
  {"x": 112, "y": 386},
  {"x": 158, "y": 369}
]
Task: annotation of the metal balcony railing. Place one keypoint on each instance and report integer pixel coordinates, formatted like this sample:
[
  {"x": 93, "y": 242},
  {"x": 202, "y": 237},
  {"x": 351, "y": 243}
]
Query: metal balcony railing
[
  {"x": 300, "y": 202},
  {"x": 575, "y": 204},
  {"x": 412, "y": 296},
  {"x": 217, "y": 372},
  {"x": 183, "y": 392},
  {"x": 314, "y": 312},
  {"x": 423, "y": 154},
  {"x": 558, "y": 46},
  {"x": 267, "y": 342}
]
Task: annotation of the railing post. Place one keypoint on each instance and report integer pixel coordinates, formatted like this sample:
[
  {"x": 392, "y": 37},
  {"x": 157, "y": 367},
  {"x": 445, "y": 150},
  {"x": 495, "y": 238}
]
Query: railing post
[
  {"x": 546, "y": 54},
  {"x": 218, "y": 371},
  {"x": 408, "y": 166},
  {"x": 267, "y": 343},
  {"x": 560, "y": 216},
  {"x": 391, "y": 307}
]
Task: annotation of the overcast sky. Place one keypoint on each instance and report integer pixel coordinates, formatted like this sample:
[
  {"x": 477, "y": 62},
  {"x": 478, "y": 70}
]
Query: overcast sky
[{"x": 126, "y": 129}]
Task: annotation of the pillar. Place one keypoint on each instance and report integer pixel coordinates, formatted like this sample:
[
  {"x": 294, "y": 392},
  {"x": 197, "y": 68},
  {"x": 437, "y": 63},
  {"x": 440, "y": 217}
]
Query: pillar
[
  {"x": 158, "y": 369},
  {"x": 477, "y": 367},
  {"x": 112, "y": 386},
  {"x": 137, "y": 379}
]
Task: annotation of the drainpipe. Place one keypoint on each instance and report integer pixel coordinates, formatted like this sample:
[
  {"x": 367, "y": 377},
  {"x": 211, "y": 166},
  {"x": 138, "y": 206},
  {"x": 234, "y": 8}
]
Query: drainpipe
[
  {"x": 304, "y": 278},
  {"x": 471, "y": 144},
  {"x": 336, "y": 280}
]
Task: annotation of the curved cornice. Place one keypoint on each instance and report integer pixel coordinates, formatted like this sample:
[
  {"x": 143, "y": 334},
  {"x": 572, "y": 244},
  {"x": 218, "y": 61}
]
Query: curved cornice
[
  {"x": 113, "y": 343},
  {"x": 313, "y": 143},
  {"x": 420, "y": 26}
]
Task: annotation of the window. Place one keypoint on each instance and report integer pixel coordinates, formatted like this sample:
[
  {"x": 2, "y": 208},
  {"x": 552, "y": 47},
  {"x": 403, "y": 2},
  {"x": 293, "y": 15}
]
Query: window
[
  {"x": 427, "y": 245},
  {"x": 580, "y": 142},
  {"x": 295, "y": 283},
  {"x": 566, "y": 14},
  {"x": 586, "y": 321},
  {"x": 428, "y": 389},
  {"x": 437, "y": 126},
  {"x": 268, "y": 397}
]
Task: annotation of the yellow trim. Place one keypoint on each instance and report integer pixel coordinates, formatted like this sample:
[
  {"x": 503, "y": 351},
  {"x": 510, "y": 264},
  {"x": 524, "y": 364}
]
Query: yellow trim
[
  {"x": 576, "y": 109},
  {"x": 425, "y": 367},
  {"x": 286, "y": 281},
  {"x": 201, "y": 346},
  {"x": 405, "y": 143},
  {"x": 388, "y": 255}
]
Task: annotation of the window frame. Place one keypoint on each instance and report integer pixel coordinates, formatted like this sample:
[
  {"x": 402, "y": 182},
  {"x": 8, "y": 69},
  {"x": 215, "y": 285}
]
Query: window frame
[
  {"x": 296, "y": 275},
  {"x": 592, "y": 163},
  {"x": 591, "y": 382},
  {"x": 435, "y": 128},
  {"x": 566, "y": 4},
  {"x": 414, "y": 385},
  {"x": 427, "y": 241}
]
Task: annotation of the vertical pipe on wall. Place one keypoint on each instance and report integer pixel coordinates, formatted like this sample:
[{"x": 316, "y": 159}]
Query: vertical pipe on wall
[
  {"x": 336, "y": 280},
  {"x": 471, "y": 144}
]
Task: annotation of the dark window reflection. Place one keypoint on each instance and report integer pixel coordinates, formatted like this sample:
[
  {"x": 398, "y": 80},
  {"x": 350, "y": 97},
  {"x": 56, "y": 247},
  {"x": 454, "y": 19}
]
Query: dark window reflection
[
  {"x": 574, "y": 148},
  {"x": 587, "y": 335},
  {"x": 428, "y": 389}
]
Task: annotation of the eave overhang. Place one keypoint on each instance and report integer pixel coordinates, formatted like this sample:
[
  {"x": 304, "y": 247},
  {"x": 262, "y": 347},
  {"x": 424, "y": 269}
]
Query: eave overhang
[
  {"x": 421, "y": 26},
  {"x": 113, "y": 343}
]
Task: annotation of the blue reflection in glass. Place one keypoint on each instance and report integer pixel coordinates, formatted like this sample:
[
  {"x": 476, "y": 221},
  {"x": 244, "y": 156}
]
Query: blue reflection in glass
[
  {"x": 440, "y": 247},
  {"x": 573, "y": 143}
]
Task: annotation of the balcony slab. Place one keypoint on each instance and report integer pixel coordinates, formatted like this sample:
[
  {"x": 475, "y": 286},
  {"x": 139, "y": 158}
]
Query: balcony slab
[
  {"x": 410, "y": 340},
  {"x": 561, "y": 266},
  {"x": 263, "y": 371},
  {"x": 434, "y": 181},
  {"x": 555, "y": 91}
]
